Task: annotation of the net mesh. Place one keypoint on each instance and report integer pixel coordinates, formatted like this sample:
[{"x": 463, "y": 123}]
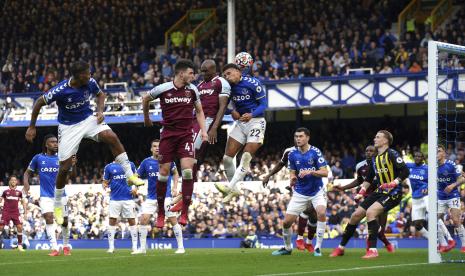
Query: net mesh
[{"x": 451, "y": 127}]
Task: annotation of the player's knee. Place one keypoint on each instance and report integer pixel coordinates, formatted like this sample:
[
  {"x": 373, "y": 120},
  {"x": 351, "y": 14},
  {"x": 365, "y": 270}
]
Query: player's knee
[
  {"x": 163, "y": 178},
  {"x": 187, "y": 174},
  {"x": 287, "y": 224},
  {"x": 245, "y": 159}
]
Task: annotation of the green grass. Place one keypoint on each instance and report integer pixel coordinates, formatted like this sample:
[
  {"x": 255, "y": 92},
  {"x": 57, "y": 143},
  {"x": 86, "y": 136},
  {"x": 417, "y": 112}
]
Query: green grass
[{"x": 405, "y": 262}]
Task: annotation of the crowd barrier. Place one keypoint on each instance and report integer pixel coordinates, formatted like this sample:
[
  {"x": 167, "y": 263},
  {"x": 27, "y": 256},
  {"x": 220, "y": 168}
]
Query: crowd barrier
[{"x": 162, "y": 244}]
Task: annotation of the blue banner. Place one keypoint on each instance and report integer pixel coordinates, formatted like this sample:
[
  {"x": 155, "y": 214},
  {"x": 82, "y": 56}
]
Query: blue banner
[{"x": 161, "y": 244}]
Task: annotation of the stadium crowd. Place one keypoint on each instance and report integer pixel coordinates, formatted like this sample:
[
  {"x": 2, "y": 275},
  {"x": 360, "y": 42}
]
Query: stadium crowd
[{"x": 328, "y": 42}]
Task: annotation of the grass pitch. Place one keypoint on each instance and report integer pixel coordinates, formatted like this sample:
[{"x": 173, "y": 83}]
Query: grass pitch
[{"x": 220, "y": 262}]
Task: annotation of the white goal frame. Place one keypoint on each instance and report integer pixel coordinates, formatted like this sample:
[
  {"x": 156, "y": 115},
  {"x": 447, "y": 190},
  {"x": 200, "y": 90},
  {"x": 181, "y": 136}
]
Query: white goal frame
[{"x": 434, "y": 48}]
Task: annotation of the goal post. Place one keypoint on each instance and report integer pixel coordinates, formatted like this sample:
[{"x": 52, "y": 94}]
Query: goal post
[{"x": 434, "y": 49}]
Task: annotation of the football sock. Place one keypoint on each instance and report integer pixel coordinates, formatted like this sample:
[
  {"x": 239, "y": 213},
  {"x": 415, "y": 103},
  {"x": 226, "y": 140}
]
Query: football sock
[
  {"x": 177, "y": 229},
  {"x": 320, "y": 232},
  {"x": 123, "y": 160},
  {"x": 287, "y": 234},
  {"x": 50, "y": 229}
]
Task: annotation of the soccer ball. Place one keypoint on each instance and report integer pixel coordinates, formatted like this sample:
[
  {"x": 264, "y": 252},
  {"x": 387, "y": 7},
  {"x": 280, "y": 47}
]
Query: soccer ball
[{"x": 243, "y": 60}]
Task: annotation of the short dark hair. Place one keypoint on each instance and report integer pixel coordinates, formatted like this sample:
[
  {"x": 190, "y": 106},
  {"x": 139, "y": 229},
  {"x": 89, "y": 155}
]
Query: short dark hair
[
  {"x": 231, "y": 65},
  {"x": 388, "y": 136},
  {"x": 155, "y": 140},
  {"x": 182, "y": 65},
  {"x": 78, "y": 67},
  {"x": 304, "y": 130},
  {"x": 46, "y": 137}
]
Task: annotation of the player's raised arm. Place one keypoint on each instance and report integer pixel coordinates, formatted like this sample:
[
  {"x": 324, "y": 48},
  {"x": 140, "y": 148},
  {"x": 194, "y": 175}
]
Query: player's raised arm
[
  {"x": 273, "y": 171},
  {"x": 31, "y": 130}
]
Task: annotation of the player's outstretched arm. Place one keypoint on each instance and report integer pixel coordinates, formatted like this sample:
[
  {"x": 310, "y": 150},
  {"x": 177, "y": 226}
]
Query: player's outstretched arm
[
  {"x": 31, "y": 130},
  {"x": 274, "y": 171},
  {"x": 201, "y": 120},
  {"x": 145, "y": 107},
  {"x": 355, "y": 183}
]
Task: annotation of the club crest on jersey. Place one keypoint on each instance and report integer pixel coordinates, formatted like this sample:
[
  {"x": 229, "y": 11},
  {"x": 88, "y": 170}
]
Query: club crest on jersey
[
  {"x": 310, "y": 162},
  {"x": 70, "y": 99},
  {"x": 169, "y": 94},
  {"x": 244, "y": 91},
  {"x": 188, "y": 93}
]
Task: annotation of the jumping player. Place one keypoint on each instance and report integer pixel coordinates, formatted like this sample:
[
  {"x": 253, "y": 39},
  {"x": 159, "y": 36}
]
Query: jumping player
[
  {"x": 178, "y": 98},
  {"x": 249, "y": 103},
  {"x": 76, "y": 123}
]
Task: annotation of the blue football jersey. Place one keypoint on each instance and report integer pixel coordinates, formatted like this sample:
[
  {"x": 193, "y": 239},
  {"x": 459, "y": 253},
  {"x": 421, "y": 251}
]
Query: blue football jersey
[
  {"x": 148, "y": 169},
  {"x": 246, "y": 95},
  {"x": 418, "y": 179},
  {"x": 311, "y": 160},
  {"x": 447, "y": 174},
  {"x": 73, "y": 103},
  {"x": 46, "y": 166},
  {"x": 114, "y": 174}
]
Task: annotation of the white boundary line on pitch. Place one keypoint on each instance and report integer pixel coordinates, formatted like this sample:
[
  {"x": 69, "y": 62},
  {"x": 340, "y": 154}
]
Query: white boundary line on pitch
[{"x": 342, "y": 269}]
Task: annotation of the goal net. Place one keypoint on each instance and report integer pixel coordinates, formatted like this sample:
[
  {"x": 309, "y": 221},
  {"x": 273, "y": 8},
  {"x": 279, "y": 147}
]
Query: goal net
[{"x": 446, "y": 126}]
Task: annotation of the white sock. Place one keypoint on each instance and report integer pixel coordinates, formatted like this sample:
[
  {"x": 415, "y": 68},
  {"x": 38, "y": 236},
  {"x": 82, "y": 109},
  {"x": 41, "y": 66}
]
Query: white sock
[
  {"x": 308, "y": 241},
  {"x": 134, "y": 236},
  {"x": 65, "y": 232},
  {"x": 424, "y": 232},
  {"x": 444, "y": 229},
  {"x": 441, "y": 236},
  {"x": 287, "y": 234},
  {"x": 241, "y": 170},
  {"x": 123, "y": 160},
  {"x": 229, "y": 166},
  {"x": 143, "y": 230},
  {"x": 177, "y": 229},
  {"x": 111, "y": 237},
  {"x": 320, "y": 232},
  {"x": 58, "y": 196},
  {"x": 50, "y": 229},
  {"x": 461, "y": 232},
  {"x": 299, "y": 237}
]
